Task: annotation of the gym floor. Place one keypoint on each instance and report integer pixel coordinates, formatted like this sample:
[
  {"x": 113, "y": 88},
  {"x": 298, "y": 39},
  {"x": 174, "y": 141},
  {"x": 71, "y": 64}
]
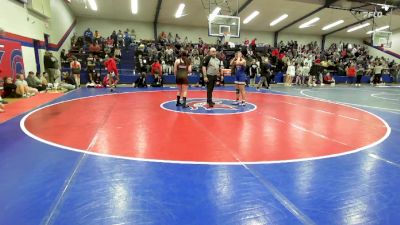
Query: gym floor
[{"x": 324, "y": 155}]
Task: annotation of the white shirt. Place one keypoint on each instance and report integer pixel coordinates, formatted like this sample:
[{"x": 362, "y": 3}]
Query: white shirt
[
  {"x": 291, "y": 70},
  {"x": 305, "y": 71}
]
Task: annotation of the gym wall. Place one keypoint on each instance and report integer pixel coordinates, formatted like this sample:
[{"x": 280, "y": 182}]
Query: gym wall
[{"x": 25, "y": 26}]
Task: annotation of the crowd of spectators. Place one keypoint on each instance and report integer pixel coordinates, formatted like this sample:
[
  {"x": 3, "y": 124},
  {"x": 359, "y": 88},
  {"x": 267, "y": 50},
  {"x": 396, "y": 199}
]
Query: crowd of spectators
[{"x": 301, "y": 64}]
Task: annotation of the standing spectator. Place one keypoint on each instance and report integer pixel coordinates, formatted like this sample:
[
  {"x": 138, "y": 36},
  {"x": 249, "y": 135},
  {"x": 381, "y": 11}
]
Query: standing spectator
[
  {"x": 170, "y": 38},
  {"x": 299, "y": 74},
  {"x": 113, "y": 76},
  {"x": 114, "y": 37},
  {"x": 63, "y": 57},
  {"x": 76, "y": 71},
  {"x": 253, "y": 45},
  {"x": 290, "y": 73},
  {"x": 97, "y": 36},
  {"x": 120, "y": 39},
  {"x": 254, "y": 71},
  {"x": 88, "y": 35},
  {"x": 196, "y": 60},
  {"x": 91, "y": 65},
  {"x": 396, "y": 76},
  {"x": 50, "y": 66},
  {"x": 156, "y": 68},
  {"x": 127, "y": 38},
  {"x": 265, "y": 70},
  {"x": 360, "y": 73},
  {"x": 351, "y": 73},
  {"x": 177, "y": 39},
  {"x": 306, "y": 74},
  {"x": 377, "y": 73}
]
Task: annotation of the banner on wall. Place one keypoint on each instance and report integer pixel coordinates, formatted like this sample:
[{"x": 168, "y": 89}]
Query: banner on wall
[{"x": 11, "y": 60}]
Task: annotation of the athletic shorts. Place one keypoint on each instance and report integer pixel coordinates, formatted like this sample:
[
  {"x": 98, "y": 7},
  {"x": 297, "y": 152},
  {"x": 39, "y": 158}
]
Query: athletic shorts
[{"x": 240, "y": 78}]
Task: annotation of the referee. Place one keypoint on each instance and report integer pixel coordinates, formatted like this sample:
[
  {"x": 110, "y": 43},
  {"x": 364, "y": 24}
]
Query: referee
[{"x": 211, "y": 71}]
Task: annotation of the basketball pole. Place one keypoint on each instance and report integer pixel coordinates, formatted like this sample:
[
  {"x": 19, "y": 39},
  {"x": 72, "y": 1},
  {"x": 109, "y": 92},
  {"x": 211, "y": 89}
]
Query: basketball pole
[{"x": 237, "y": 8}]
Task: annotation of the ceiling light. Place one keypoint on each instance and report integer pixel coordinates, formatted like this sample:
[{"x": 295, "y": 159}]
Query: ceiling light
[
  {"x": 378, "y": 29},
  {"x": 179, "y": 12},
  {"x": 329, "y": 26},
  {"x": 250, "y": 17},
  {"x": 309, "y": 23},
  {"x": 386, "y": 7},
  {"x": 279, "y": 19},
  {"x": 358, "y": 27},
  {"x": 382, "y": 28},
  {"x": 214, "y": 13},
  {"x": 93, "y": 5},
  {"x": 134, "y": 6}
]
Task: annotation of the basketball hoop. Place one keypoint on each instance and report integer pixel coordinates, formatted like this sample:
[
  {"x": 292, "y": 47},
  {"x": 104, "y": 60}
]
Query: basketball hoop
[
  {"x": 225, "y": 27},
  {"x": 227, "y": 36}
]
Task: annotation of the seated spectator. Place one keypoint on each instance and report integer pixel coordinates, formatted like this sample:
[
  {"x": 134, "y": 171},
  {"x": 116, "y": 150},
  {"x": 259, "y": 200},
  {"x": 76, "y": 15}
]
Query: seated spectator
[
  {"x": 23, "y": 88},
  {"x": 68, "y": 81},
  {"x": 117, "y": 53},
  {"x": 10, "y": 89},
  {"x": 328, "y": 78},
  {"x": 34, "y": 82},
  {"x": 94, "y": 48},
  {"x": 141, "y": 81},
  {"x": 43, "y": 78},
  {"x": 158, "y": 80},
  {"x": 97, "y": 79}
]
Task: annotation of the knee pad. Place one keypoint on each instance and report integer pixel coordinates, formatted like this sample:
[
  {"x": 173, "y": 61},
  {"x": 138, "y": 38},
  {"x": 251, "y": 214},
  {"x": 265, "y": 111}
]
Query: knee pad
[{"x": 237, "y": 91}]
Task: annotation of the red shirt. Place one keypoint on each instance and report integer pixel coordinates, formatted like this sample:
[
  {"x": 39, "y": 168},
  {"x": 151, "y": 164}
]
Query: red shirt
[
  {"x": 111, "y": 66},
  {"x": 275, "y": 52},
  {"x": 156, "y": 67},
  {"x": 351, "y": 71}
]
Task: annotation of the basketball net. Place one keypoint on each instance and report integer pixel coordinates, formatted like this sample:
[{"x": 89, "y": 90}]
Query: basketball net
[{"x": 227, "y": 37}]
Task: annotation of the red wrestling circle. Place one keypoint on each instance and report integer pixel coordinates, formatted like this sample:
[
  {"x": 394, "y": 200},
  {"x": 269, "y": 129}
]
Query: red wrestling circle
[{"x": 132, "y": 125}]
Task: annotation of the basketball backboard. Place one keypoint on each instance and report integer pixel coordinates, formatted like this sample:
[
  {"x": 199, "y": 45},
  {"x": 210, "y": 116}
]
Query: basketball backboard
[
  {"x": 382, "y": 39},
  {"x": 220, "y": 25}
]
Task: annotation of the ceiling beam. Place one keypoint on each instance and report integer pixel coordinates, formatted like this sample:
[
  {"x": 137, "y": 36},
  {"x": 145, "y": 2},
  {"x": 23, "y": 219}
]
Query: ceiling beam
[
  {"x": 155, "y": 23},
  {"x": 242, "y": 7},
  {"x": 359, "y": 7},
  {"x": 326, "y": 5},
  {"x": 348, "y": 26}
]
